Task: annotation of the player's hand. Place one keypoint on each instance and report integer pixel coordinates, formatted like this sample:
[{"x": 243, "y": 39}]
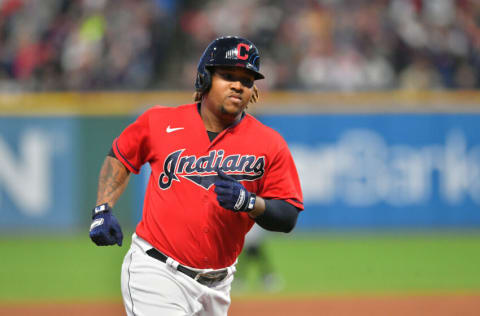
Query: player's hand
[
  {"x": 105, "y": 229},
  {"x": 232, "y": 195}
]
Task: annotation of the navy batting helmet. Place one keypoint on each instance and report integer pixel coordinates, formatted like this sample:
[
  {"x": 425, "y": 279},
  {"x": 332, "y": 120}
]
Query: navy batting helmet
[{"x": 228, "y": 51}]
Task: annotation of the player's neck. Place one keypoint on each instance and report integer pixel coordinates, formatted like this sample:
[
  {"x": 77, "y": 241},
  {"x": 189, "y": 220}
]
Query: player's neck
[{"x": 216, "y": 122}]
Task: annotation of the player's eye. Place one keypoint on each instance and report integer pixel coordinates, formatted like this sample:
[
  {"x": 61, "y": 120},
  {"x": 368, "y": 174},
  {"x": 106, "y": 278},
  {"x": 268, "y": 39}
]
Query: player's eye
[
  {"x": 228, "y": 77},
  {"x": 247, "y": 82},
  {"x": 231, "y": 77}
]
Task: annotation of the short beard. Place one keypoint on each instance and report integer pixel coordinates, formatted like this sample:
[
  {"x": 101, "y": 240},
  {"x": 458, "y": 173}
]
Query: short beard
[{"x": 225, "y": 112}]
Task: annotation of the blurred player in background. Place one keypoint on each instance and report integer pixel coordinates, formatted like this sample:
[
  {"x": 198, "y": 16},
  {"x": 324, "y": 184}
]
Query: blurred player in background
[
  {"x": 216, "y": 171},
  {"x": 255, "y": 255}
]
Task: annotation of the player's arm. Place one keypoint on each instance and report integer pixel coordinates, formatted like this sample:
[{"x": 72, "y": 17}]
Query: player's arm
[
  {"x": 274, "y": 215},
  {"x": 105, "y": 229},
  {"x": 113, "y": 180}
]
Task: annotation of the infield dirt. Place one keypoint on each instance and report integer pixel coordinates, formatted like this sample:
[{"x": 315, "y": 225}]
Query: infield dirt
[{"x": 432, "y": 305}]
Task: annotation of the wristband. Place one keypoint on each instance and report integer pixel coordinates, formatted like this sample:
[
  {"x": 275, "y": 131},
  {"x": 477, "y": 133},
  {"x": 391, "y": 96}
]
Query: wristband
[
  {"x": 251, "y": 202},
  {"x": 100, "y": 209}
]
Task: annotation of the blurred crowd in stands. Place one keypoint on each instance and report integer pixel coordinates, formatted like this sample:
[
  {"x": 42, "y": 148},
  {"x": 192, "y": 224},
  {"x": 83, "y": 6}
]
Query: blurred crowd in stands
[{"x": 316, "y": 45}]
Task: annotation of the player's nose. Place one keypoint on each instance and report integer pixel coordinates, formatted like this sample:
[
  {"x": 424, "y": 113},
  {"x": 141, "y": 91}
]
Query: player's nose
[{"x": 237, "y": 85}]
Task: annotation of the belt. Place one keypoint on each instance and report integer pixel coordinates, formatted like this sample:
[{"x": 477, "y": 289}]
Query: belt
[{"x": 207, "y": 278}]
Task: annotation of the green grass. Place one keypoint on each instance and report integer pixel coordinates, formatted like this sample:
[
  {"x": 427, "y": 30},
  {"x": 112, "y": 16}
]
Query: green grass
[
  {"x": 60, "y": 268},
  {"x": 73, "y": 268},
  {"x": 379, "y": 263}
]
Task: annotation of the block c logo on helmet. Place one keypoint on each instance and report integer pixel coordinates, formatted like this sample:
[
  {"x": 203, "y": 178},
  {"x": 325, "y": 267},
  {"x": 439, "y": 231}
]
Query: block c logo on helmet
[{"x": 239, "y": 49}]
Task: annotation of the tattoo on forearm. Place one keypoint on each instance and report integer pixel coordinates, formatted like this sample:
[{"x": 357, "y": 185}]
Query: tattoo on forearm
[{"x": 112, "y": 181}]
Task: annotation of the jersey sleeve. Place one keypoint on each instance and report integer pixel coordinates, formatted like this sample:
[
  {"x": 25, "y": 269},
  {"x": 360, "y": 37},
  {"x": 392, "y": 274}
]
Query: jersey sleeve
[
  {"x": 281, "y": 179},
  {"x": 132, "y": 147}
]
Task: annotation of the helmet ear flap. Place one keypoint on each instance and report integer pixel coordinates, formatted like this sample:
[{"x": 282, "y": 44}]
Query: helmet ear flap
[{"x": 204, "y": 81}]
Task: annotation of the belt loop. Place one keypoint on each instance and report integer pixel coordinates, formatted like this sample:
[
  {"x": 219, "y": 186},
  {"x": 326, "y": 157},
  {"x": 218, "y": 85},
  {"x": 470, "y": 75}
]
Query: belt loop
[{"x": 172, "y": 264}]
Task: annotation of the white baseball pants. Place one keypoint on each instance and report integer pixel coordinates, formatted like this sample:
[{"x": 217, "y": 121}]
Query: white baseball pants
[{"x": 151, "y": 287}]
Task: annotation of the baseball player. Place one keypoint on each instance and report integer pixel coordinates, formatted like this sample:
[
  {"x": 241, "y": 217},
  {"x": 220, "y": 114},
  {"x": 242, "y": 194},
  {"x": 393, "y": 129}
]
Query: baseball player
[
  {"x": 254, "y": 254},
  {"x": 216, "y": 171}
]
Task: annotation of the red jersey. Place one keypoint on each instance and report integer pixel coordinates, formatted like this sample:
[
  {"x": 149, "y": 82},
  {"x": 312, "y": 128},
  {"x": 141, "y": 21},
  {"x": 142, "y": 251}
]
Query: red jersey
[{"x": 181, "y": 215}]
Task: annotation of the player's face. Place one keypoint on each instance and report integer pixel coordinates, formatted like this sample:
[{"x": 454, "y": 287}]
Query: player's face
[{"x": 231, "y": 90}]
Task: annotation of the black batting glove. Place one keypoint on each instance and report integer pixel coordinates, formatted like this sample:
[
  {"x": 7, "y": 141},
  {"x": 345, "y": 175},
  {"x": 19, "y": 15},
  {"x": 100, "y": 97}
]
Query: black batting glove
[
  {"x": 232, "y": 195},
  {"x": 105, "y": 229}
]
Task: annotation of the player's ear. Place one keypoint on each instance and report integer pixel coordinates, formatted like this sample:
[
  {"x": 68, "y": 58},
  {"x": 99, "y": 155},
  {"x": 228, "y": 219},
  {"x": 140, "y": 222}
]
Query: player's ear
[{"x": 254, "y": 97}]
